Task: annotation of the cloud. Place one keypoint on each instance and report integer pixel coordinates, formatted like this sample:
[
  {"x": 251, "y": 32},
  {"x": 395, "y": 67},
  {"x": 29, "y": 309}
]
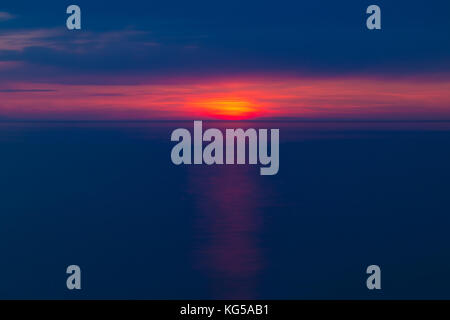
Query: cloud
[
  {"x": 59, "y": 39},
  {"x": 5, "y": 16},
  {"x": 25, "y": 90},
  {"x": 350, "y": 98},
  {"x": 18, "y": 40}
]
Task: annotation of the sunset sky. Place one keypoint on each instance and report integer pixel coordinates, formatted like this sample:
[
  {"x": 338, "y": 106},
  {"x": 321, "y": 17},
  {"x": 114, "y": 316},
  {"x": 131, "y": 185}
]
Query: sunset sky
[{"x": 143, "y": 60}]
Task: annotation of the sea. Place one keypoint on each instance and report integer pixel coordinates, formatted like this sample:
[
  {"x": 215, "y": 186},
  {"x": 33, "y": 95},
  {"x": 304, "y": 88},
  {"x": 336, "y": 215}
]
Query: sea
[{"x": 106, "y": 196}]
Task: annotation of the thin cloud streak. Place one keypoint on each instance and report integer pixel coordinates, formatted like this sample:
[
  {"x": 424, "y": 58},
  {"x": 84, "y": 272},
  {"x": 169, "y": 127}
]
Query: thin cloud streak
[
  {"x": 18, "y": 40},
  {"x": 5, "y": 16}
]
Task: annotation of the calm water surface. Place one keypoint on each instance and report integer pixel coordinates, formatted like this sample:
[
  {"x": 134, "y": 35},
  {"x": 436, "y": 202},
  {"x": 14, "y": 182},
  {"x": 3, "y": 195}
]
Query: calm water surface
[{"x": 107, "y": 197}]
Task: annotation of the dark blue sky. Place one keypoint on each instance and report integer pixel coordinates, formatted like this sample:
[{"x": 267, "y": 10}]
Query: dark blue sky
[
  {"x": 194, "y": 59},
  {"x": 165, "y": 38}
]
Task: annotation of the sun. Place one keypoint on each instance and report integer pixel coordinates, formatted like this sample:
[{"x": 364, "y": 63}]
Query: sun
[{"x": 226, "y": 108}]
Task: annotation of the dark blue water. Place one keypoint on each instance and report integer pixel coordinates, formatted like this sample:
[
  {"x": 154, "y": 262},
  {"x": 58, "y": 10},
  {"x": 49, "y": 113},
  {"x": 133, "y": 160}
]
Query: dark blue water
[{"x": 106, "y": 196}]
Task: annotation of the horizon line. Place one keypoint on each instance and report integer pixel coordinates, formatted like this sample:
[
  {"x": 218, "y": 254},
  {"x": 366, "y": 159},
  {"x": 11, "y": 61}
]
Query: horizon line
[{"x": 230, "y": 120}]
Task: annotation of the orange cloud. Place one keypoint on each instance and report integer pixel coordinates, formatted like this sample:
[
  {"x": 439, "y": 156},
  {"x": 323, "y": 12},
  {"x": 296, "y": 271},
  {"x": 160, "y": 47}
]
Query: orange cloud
[{"x": 344, "y": 98}]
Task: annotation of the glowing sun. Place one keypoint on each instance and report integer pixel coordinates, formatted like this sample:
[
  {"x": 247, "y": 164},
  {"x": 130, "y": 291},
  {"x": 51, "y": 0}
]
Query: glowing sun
[{"x": 226, "y": 108}]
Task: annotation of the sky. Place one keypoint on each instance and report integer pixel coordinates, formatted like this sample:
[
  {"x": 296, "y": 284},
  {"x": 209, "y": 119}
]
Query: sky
[{"x": 144, "y": 60}]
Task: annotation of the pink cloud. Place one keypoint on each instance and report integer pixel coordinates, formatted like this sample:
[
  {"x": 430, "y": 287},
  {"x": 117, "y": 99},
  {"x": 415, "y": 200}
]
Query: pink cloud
[
  {"x": 56, "y": 38},
  {"x": 5, "y": 16},
  {"x": 341, "y": 98},
  {"x": 20, "y": 39}
]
